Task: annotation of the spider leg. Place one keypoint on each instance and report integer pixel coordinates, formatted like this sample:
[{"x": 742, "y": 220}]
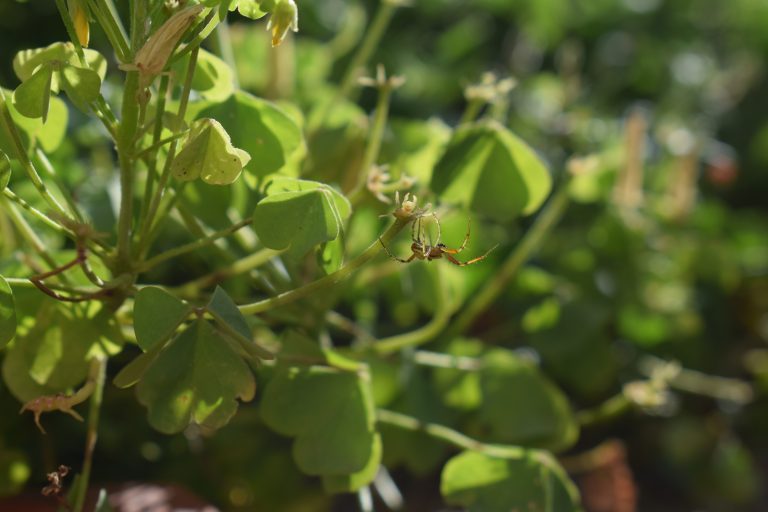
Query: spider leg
[
  {"x": 437, "y": 221},
  {"x": 386, "y": 249},
  {"x": 465, "y": 263},
  {"x": 413, "y": 229},
  {"x": 466, "y": 238}
]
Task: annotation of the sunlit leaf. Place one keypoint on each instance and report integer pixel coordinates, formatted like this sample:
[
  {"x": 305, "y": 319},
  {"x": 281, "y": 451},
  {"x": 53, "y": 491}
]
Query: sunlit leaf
[
  {"x": 197, "y": 378},
  {"x": 298, "y": 220},
  {"x": 489, "y": 170},
  {"x": 208, "y": 154},
  {"x": 260, "y": 128},
  {"x": 33, "y": 131},
  {"x": 532, "y": 481},
  {"x": 32, "y": 97},
  {"x": 81, "y": 85}
]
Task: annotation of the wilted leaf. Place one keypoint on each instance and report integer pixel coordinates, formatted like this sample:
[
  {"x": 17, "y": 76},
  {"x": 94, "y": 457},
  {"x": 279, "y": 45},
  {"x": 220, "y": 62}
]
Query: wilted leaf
[{"x": 208, "y": 154}]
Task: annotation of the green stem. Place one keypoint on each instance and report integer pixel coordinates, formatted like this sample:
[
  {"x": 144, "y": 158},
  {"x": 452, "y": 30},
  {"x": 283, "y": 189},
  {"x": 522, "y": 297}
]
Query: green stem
[
  {"x": 238, "y": 267},
  {"x": 330, "y": 279},
  {"x": 47, "y": 167},
  {"x": 98, "y": 376},
  {"x": 157, "y": 143},
  {"x": 198, "y": 35},
  {"x": 29, "y": 235},
  {"x": 166, "y": 174},
  {"x": 605, "y": 412},
  {"x": 6, "y": 121},
  {"x": 472, "y": 110},
  {"x": 192, "y": 246},
  {"x": 373, "y": 145},
  {"x": 425, "y": 333},
  {"x": 222, "y": 43},
  {"x": 371, "y": 41},
  {"x": 450, "y": 436},
  {"x": 125, "y": 146},
  {"x": 532, "y": 240},
  {"x": 113, "y": 29},
  {"x": 37, "y": 213}
]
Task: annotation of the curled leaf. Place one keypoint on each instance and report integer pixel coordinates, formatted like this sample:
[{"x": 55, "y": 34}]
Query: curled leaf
[{"x": 209, "y": 154}]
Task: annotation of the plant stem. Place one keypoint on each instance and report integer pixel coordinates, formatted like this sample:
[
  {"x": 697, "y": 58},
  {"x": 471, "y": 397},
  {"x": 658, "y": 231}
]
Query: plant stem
[
  {"x": 98, "y": 375},
  {"x": 605, "y": 412},
  {"x": 192, "y": 246},
  {"x": 373, "y": 145},
  {"x": 47, "y": 167},
  {"x": 330, "y": 279},
  {"x": 37, "y": 213},
  {"x": 371, "y": 41},
  {"x": 6, "y": 121},
  {"x": 240, "y": 266},
  {"x": 110, "y": 24},
  {"x": 533, "y": 238},
  {"x": 425, "y": 333},
  {"x": 144, "y": 238},
  {"x": 29, "y": 235},
  {"x": 450, "y": 436},
  {"x": 152, "y": 150},
  {"x": 125, "y": 146}
]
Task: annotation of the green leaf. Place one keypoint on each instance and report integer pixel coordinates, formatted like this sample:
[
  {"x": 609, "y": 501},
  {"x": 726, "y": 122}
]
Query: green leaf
[
  {"x": 135, "y": 370},
  {"x": 32, "y": 97},
  {"x": 260, "y": 128},
  {"x": 297, "y": 221},
  {"x": 490, "y": 170},
  {"x": 330, "y": 412},
  {"x": 334, "y": 484},
  {"x": 26, "y": 62},
  {"x": 208, "y": 154},
  {"x": 81, "y": 85},
  {"x": 54, "y": 355},
  {"x": 280, "y": 184},
  {"x": 157, "y": 314},
  {"x": 7, "y": 313},
  {"x": 250, "y": 9},
  {"x": 521, "y": 406},
  {"x": 197, "y": 378},
  {"x": 213, "y": 78},
  {"x": 532, "y": 482},
  {"x": 48, "y": 134}
]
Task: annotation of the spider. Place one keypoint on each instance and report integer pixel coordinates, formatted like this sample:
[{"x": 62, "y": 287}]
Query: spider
[{"x": 429, "y": 252}]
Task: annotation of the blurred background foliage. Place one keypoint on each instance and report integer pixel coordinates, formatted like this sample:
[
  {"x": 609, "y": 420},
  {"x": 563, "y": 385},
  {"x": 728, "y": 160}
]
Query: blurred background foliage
[{"x": 677, "y": 268}]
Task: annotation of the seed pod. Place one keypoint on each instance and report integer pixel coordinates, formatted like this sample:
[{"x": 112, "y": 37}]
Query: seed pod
[{"x": 152, "y": 57}]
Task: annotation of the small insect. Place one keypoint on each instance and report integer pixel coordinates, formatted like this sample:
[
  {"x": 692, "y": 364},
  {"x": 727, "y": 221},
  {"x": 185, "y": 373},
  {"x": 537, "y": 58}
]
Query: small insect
[
  {"x": 58, "y": 402},
  {"x": 427, "y": 251}
]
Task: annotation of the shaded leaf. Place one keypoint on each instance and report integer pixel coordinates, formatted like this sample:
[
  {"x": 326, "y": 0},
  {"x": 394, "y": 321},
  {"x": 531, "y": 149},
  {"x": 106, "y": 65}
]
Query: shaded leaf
[
  {"x": 490, "y": 170},
  {"x": 213, "y": 78},
  {"x": 521, "y": 406},
  {"x": 157, "y": 314},
  {"x": 532, "y": 482},
  {"x": 208, "y": 154},
  {"x": 225, "y": 311},
  {"x": 350, "y": 483},
  {"x": 49, "y": 134},
  {"x": 196, "y": 379},
  {"x": 330, "y": 412}
]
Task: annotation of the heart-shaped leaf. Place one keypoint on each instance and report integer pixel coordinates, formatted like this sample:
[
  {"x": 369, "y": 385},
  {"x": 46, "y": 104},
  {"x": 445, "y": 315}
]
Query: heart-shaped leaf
[
  {"x": 49, "y": 134},
  {"x": 490, "y": 170},
  {"x": 521, "y": 406},
  {"x": 259, "y": 127},
  {"x": 350, "y": 483},
  {"x": 197, "y": 378},
  {"x": 330, "y": 412},
  {"x": 7, "y": 312},
  {"x": 156, "y": 315},
  {"x": 81, "y": 85},
  {"x": 532, "y": 481},
  {"x": 297, "y": 220},
  {"x": 32, "y": 97},
  {"x": 208, "y": 154}
]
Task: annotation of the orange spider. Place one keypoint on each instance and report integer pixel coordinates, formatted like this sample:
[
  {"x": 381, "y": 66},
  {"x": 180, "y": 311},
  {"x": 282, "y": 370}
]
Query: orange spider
[{"x": 423, "y": 251}]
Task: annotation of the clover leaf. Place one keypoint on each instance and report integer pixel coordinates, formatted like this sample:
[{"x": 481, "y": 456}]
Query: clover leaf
[{"x": 209, "y": 154}]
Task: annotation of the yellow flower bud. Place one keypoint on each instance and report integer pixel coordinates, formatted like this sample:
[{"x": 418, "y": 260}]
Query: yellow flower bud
[
  {"x": 284, "y": 16},
  {"x": 79, "y": 14}
]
